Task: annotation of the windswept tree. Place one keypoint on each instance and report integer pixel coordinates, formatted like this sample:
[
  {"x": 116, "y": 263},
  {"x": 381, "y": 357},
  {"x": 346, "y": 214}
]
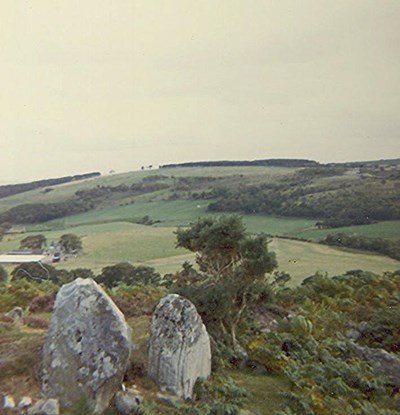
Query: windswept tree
[{"x": 232, "y": 264}]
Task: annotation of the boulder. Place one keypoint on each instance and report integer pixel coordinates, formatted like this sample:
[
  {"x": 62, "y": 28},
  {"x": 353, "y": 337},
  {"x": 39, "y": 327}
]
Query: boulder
[
  {"x": 179, "y": 348},
  {"x": 45, "y": 407},
  {"x": 87, "y": 347},
  {"x": 8, "y": 402},
  {"x": 128, "y": 401},
  {"x": 25, "y": 402},
  {"x": 16, "y": 314}
]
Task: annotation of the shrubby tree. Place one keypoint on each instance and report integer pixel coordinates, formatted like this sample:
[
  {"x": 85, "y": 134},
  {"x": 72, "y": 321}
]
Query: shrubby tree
[
  {"x": 81, "y": 273},
  {"x": 232, "y": 268},
  {"x": 33, "y": 242},
  {"x": 127, "y": 273},
  {"x": 70, "y": 243},
  {"x": 3, "y": 274},
  {"x": 4, "y": 227},
  {"x": 35, "y": 271}
]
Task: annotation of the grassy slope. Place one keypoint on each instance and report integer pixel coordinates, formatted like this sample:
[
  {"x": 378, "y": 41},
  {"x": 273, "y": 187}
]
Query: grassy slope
[
  {"x": 109, "y": 243},
  {"x": 265, "y": 390},
  {"x": 67, "y": 190},
  {"x": 388, "y": 230},
  {"x": 109, "y": 236},
  {"x": 302, "y": 259}
]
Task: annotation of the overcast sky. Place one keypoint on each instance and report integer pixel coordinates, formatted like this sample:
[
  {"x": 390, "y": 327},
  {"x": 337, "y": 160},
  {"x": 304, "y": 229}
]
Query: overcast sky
[{"x": 116, "y": 84}]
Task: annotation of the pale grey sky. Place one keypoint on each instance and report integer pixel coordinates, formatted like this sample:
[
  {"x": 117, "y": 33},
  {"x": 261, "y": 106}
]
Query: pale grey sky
[{"x": 100, "y": 85}]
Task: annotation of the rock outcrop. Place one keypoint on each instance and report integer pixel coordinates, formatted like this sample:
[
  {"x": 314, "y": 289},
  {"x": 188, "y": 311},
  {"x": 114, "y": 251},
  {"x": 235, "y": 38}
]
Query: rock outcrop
[
  {"x": 385, "y": 363},
  {"x": 87, "y": 347},
  {"x": 179, "y": 350},
  {"x": 45, "y": 407}
]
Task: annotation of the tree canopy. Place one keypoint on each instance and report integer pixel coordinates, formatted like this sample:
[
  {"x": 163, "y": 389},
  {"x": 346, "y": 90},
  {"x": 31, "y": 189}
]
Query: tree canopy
[
  {"x": 70, "y": 243},
  {"x": 129, "y": 274},
  {"x": 33, "y": 242}
]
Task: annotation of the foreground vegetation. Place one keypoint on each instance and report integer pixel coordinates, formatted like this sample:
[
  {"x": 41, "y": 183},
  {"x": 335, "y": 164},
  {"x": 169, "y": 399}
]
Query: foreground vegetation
[{"x": 299, "y": 340}]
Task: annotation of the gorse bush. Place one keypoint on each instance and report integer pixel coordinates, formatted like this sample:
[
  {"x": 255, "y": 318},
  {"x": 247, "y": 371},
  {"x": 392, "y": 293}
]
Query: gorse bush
[
  {"x": 42, "y": 303},
  {"x": 136, "y": 300},
  {"x": 312, "y": 349},
  {"x": 219, "y": 395}
]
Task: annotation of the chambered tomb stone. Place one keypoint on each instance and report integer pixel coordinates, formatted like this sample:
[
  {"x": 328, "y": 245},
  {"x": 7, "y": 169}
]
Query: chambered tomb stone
[
  {"x": 179, "y": 349},
  {"x": 87, "y": 347}
]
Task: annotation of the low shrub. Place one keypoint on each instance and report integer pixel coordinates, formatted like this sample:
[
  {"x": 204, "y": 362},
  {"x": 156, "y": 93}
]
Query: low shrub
[
  {"x": 36, "y": 322},
  {"x": 42, "y": 303}
]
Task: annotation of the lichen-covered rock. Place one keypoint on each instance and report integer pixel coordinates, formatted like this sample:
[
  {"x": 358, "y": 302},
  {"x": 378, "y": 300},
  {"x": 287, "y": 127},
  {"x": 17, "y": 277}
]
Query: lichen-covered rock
[
  {"x": 179, "y": 350},
  {"x": 87, "y": 347}
]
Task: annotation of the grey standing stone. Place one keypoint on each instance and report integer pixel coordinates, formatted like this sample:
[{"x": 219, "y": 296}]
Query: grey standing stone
[
  {"x": 87, "y": 347},
  {"x": 179, "y": 350}
]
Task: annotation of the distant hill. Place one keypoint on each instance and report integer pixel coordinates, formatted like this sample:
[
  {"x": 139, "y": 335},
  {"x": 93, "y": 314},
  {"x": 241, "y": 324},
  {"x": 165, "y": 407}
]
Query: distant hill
[
  {"x": 13, "y": 189},
  {"x": 334, "y": 195},
  {"x": 245, "y": 163},
  {"x": 393, "y": 162}
]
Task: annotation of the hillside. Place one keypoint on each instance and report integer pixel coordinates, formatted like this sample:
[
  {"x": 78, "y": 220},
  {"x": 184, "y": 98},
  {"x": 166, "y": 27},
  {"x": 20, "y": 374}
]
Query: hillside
[{"x": 117, "y": 214}]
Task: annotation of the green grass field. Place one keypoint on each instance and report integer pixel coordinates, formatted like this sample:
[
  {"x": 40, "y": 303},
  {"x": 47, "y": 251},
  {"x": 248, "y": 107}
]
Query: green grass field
[
  {"x": 302, "y": 259},
  {"x": 109, "y": 243},
  {"x": 174, "y": 213}
]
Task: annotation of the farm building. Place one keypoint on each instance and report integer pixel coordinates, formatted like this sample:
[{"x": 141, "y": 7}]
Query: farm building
[{"x": 23, "y": 256}]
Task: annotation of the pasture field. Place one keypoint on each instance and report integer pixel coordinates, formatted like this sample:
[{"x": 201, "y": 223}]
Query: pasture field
[
  {"x": 109, "y": 243},
  {"x": 387, "y": 230},
  {"x": 66, "y": 191},
  {"x": 302, "y": 259},
  {"x": 173, "y": 213},
  {"x": 277, "y": 225}
]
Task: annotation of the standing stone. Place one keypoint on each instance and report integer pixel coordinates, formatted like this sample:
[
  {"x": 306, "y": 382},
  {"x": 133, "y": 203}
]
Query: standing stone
[
  {"x": 87, "y": 347},
  {"x": 179, "y": 351}
]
